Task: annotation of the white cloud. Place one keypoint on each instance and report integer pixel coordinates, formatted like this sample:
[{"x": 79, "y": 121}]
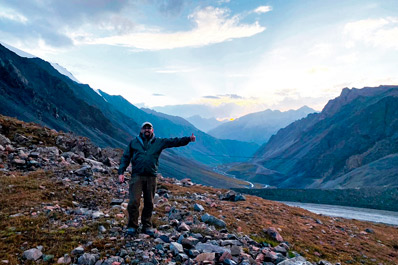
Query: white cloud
[
  {"x": 213, "y": 25},
  {"x": 12, "y": 15},
  {"x": 381, "y": 32},
  {"x": 262, "y": 9},
  {"x": 174, "y": 70}
]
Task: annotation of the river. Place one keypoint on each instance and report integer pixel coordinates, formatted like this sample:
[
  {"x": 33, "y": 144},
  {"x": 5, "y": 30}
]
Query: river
[{"x": 372, "y": 215}]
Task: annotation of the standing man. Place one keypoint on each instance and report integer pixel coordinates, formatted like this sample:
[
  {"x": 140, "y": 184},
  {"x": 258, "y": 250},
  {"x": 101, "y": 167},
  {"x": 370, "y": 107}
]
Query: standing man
[{"x": 143, "y": 152}]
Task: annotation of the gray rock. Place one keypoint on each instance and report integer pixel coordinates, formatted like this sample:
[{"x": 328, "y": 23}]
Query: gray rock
[
  {"x": 229, "y": 262},
  {"x": 112, "y": 260},
  {"x": 84, "y": 171},
  {"x": 206, "y": 247},
  {"x": 199, "y": 208},
  {"x": 21, "y": 139},
  {"x": 232, "y": 196},
  {"x": 18, "y": 162},
  {"x": 50, "y": 151},
  {"x": 193, "y": 253},
  {"x": 183, "y": 227},
  {"x": 117, "y": 201},
  {"x": 295, "y": 261},
  {"x": 230, "y": 243},
  {"x": 181, "y": 257},
  {"x": 4, "y": 140},
  {"x": 274, "y": 234},
  {"x": 16, "y": 215},
  {"x": 123, "y": 253},
  {"x": 280, "y": 249},
  {"x": 102, "y": 229},
  {"x": 209, "y": 219},
  {"x": 34, "y": 154},
  {"x": 176, "y": 248},
  {"x": 87, "y": 259},
  {"x": 66, "y": 259},
  {"x": 189, "y": 242},
  {"x": 165, "y": 238},
  {"x": 97, "y": 214},
  {"x": 32, "y": 254},
  {"x": 78, "y": 251},
  {"x": 236, "y": 250}
]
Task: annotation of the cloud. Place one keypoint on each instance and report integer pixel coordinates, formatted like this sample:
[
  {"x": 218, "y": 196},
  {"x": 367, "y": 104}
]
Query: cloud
[
  {"x": 262, "y": 9},
  {"x": 58, "y": 23},
  {"x": 158, "y": 95},
  {"x": 212, "y": 25},
  {"x": 230, "y": 99},
  {"x": 382, "y": 32},
  {"x": 10, "y": 14},
  {"x": 211, "y": 97},
  {"x": 174, "y": 70}
]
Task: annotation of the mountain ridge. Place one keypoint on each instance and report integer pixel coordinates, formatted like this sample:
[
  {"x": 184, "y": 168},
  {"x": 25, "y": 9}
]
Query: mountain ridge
[
  {"x": 353, "y": 130},
  {"x": 258, "y": 127}
]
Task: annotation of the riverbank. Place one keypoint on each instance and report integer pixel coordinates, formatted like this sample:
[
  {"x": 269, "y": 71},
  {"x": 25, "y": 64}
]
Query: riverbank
[
  {"x": 372, "y": 198},
  {"x": 347, "y": 212}
]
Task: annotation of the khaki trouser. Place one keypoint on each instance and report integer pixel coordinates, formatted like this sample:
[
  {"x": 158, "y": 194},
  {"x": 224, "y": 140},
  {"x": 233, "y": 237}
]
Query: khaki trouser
[{"x": 137, "y": 186}]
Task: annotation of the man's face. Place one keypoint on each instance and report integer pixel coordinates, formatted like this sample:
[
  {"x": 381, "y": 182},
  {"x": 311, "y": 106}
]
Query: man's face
[{"x": 147, "y": 131}]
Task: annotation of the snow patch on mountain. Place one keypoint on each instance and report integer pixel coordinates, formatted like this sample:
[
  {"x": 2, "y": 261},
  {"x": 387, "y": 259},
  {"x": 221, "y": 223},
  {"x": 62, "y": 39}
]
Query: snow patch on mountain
[
  {"x": 18, "y": 51},
  {"x": 65, "y": 72}
]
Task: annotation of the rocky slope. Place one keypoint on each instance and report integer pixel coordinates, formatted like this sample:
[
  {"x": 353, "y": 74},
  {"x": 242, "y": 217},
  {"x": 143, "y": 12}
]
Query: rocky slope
[
  {"x": 332, "y": 149},
  {"x": 60, "y": 203}
]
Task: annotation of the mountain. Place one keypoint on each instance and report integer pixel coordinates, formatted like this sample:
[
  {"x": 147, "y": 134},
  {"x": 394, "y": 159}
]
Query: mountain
[
  {"x": 204, "y": 124},
  {"x": 351, "y": 143},
  {"x": 33, "y": 90},
  {"x": 258, "y": 127}
]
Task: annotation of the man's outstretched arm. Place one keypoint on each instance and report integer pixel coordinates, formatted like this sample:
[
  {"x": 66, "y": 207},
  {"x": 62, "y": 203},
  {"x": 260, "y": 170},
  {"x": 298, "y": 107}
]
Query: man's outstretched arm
[{"x": 176, "y": 142}]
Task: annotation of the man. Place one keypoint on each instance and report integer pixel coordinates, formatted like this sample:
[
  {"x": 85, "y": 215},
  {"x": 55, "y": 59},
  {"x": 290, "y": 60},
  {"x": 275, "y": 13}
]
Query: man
[{"x": 143, "y": 152}]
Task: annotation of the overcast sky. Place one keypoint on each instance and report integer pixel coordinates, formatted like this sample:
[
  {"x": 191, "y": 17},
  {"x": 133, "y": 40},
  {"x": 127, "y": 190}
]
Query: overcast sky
[{"x": 256, "y": 54}]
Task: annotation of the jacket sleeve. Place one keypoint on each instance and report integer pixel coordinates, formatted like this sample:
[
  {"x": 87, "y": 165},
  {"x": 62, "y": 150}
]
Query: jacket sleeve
[
  {"x": 175, "y": 142},
  {"x": 125, "y": 160}
]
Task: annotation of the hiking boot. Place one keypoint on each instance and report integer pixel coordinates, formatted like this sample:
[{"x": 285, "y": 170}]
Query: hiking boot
[
  {"x": 149, "y": 231},
  {"x": 131, "y": 231}
]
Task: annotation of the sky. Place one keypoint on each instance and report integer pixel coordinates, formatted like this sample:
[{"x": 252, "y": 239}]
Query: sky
[{"x": 250, "y": 55}]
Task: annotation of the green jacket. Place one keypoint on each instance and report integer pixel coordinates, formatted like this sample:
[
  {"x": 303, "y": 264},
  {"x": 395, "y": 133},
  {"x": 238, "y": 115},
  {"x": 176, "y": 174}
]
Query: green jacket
[{"x": 144, "y": 154}]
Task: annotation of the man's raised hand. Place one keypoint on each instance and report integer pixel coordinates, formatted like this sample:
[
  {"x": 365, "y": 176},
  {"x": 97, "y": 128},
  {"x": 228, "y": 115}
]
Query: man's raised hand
[{"x": 193, "y": 138}]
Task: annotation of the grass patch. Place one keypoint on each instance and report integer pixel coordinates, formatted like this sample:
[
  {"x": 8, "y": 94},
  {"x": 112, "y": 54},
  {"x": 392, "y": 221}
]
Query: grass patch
[{"x": 264, "y": 240}]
